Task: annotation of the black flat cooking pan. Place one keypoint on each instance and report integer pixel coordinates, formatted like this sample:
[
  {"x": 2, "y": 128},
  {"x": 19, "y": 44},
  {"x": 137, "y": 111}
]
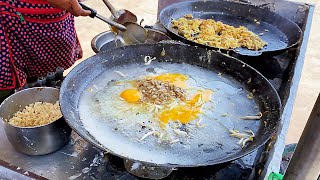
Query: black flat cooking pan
[
  {"x": 280, "y": 33},
  {"x": 233, "y": 80}
]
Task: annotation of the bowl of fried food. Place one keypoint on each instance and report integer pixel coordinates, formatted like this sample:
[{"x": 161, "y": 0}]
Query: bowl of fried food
[{"x": 33, "y": 122}]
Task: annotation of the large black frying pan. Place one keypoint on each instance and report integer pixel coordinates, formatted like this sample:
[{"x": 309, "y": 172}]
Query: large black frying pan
[
  {"x": 78, "y": 80},
  {"x": 280, "y": 33}
]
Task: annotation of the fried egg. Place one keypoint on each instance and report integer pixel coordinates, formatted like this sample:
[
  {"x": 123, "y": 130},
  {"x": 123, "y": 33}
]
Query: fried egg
[
  {"x": 184, "y": 131},
  {"x": 187, "y": 111},
  {"x": 182, "y": 111},
  {"x": 131, "y": 95}
]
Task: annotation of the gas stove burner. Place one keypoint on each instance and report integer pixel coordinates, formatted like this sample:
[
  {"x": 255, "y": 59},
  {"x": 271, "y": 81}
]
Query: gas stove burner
[
  {"x": 146, "y": 171},
  {"x": 118, "y": 168}
]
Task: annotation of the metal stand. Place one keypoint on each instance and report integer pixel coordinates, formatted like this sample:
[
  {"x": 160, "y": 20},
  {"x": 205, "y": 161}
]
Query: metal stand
[{"x": 305, "y": 163}]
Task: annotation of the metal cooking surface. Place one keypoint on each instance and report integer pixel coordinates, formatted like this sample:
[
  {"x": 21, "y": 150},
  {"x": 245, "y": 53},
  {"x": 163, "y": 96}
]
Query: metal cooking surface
[
  {"x": 79, "y": 78},
  {"x": 274, "y": 37},
  {"x": 279, "y": 70},
  {"x": 100, "y": 116},
  {"x": 279, "y": 32}
]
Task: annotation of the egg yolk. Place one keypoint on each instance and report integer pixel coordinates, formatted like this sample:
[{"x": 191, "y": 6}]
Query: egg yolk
[
  {"x": 176, "y": 79},
  {"x": 184, "y": 114},
  {"x": 204, "y": 96},
  {"x": 189, "y": 112},
  {"x": 131, "y": 95}
]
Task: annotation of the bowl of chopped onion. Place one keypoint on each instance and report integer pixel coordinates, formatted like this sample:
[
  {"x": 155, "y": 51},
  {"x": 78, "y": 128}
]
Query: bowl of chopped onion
[{"x": 33, "y": 122}]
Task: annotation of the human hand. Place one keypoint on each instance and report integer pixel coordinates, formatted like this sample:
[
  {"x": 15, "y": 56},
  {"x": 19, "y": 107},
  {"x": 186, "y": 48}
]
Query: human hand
[{"x": 71, "y": 6}]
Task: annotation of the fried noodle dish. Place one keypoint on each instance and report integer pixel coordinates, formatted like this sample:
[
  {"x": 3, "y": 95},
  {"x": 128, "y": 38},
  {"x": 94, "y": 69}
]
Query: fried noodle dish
[{"x": 217, "y": 34}]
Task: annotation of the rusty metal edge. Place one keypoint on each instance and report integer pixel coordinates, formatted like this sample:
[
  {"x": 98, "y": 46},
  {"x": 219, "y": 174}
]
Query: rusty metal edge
[{"x": 20, "y": 171}]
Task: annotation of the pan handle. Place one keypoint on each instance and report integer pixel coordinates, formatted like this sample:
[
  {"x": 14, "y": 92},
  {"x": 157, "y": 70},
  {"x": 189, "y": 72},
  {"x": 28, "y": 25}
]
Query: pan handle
[
  {"x": 93, "y": 13},
  {"x": 157, "y": 26}
]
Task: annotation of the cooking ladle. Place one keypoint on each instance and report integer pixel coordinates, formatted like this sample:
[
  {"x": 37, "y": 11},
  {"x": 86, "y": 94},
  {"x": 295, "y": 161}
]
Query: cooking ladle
[
  {"x": 110, "y": 22},
  {"x": 122, "y": 16},
  {"x": 130, "y": 33},
  {"x": 135, "y": 34}
]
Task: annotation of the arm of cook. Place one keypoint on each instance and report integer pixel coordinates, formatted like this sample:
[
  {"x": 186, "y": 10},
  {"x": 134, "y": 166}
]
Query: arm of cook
[{"x": 71, "y": 6}]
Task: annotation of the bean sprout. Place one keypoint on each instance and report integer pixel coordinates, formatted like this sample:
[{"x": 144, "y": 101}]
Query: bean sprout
[
  {"x": 257, "y": 117},
  {"x": 250, "y": 96},
  {"x": 151, "y": 127},
  {"x": 146, "y": 135},
  {"x": 251, "y": 132},
  {"x": 163, "y": 52},
  {"x": 246, "y": 140},
  {"x": 173, "y": 104},
  {"x": 161, "y": 135},
  {"x": 148, "y": 60},
  {"x": 200, "y": 101},
  {"x": 123, "y": 109},
  {"x": 180, "y": 133},
  {"x": 157, "y": 134},
  {"x": 244, "y": 137},
  {"x": 174, "y": 141},
  {"x": 198, "y": 125},
  {"x": 154, "y": 108},
  {"x": 240, "y": 141},
  {"x": 120, "y": 73}
]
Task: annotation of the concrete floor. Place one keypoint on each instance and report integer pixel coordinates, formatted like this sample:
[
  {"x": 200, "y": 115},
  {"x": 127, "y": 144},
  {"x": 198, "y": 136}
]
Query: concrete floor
[{"x": 309, "y": 87}]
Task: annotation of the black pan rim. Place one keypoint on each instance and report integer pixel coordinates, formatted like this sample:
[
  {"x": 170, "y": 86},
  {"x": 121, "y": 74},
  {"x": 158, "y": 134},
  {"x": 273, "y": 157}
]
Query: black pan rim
[
  {"x": 260, "y": 52},
  {"x": 208, "y": 163}
]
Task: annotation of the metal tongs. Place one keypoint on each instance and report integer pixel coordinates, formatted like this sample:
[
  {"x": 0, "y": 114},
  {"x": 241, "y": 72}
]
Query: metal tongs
[{"x": 110, "y": 22}]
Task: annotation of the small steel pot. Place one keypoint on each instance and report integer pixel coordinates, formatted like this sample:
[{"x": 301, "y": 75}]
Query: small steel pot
[
  {"x": 103, "y": 41},
  {"x": 108, "y": 40},
  {"x": 39, "y": 140}
]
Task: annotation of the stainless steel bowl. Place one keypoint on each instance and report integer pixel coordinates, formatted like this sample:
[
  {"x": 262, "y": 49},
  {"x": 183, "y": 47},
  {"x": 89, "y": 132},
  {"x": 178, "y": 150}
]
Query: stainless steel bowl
[
  {"x": 108, "y": 40},
  {"x": 39, "y": 140}
]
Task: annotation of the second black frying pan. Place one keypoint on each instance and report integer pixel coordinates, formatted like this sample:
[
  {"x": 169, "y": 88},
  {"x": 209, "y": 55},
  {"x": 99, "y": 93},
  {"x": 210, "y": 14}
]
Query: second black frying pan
[{"x": 280, "y": 33}]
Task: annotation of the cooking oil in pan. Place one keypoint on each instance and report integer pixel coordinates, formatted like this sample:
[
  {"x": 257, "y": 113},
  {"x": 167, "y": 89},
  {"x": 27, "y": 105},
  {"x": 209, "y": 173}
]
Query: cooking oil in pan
[{"x": 122, "y": 128}]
